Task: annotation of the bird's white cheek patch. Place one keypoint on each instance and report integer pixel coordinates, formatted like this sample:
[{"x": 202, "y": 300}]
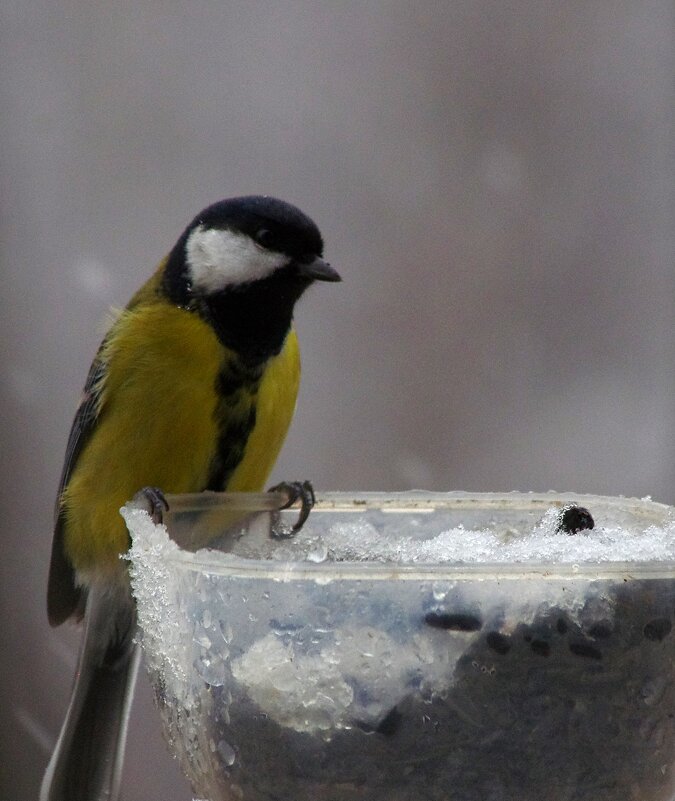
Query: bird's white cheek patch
[{"x": 220, "y": 258}]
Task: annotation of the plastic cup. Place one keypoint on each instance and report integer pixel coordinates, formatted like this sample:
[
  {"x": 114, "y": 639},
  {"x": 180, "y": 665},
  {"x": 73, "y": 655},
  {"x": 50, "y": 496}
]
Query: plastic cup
[{"x": 283, "y": 672}]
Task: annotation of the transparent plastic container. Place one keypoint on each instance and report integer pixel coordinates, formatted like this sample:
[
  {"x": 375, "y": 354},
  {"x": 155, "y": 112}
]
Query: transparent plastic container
[{"x": 287, "y": 669}]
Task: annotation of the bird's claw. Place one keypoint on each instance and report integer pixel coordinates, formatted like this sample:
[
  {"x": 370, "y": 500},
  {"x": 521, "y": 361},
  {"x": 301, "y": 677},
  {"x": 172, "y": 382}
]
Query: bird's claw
[
  {"x": 155, "y": 502},
  {"x": 296, "y": 491}
]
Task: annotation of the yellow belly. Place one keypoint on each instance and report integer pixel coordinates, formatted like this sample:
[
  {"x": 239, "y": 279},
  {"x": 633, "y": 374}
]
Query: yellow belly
[{"x": 157, "y": 426}]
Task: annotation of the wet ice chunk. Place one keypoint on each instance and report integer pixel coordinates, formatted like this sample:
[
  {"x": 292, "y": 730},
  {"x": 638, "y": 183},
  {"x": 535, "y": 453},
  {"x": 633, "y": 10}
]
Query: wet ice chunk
[
  {"x": 298, "y": 691},
  {"x": 355, "y": 677}
]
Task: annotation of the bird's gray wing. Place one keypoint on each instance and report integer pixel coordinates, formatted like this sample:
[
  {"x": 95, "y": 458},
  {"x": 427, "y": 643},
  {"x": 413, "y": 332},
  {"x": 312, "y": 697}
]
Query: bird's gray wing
[{"x": 64, "y": 597}]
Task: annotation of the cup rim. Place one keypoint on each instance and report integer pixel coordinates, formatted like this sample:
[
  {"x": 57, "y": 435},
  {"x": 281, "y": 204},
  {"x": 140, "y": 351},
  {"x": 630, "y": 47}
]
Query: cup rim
[{"x": 219, "y": 562}]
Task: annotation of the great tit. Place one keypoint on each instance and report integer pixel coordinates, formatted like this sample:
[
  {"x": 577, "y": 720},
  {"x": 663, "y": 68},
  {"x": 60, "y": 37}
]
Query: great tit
[{"x": 193, "y": 388}]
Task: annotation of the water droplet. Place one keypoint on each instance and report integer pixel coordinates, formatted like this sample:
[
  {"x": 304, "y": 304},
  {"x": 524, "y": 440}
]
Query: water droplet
[
  {"x": 212, "y": 668},
  {"x": 318, "y": 554},
  {"x": 227, "y": 753},
  {"x": 226, "y": 631},
  {"x": 440, "y": 591}
]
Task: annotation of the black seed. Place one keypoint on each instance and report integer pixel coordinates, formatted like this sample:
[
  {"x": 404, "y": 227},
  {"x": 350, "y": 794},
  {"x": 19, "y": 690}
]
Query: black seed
[
  {"x": 561, "y": 625},
  {"x": 498, "y": 642},
  {"x": 574, "y": 518},
  {"x": 443, "y": 620},
  {"x": 600, "y": 631},
  {"x": 657, "y": 629},
  {"x": 585, "y": 650},
  {"x": 541, "y": 647},
  {"x": 390, "y": 723}
]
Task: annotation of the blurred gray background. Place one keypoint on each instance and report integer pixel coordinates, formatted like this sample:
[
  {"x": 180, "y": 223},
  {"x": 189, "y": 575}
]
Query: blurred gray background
[{"x": 493, "y": 180}]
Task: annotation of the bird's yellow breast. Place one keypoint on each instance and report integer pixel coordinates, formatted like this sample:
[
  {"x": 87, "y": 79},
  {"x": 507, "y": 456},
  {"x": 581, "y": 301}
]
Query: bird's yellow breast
[{"x": 159, "y": 424}]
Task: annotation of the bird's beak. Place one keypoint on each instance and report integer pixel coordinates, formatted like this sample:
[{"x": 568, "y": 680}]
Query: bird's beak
[{"x": 318, "y": 270}]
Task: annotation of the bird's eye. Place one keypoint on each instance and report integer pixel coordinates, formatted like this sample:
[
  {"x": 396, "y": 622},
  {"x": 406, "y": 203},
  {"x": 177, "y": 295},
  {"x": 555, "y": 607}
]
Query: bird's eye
[{"x": 264, "y": 237}]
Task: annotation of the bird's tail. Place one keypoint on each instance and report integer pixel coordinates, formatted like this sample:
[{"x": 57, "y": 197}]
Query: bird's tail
[{"x": 87, "y": 761}]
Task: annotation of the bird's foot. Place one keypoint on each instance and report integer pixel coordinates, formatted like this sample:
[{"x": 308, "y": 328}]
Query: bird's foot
[
  {"x": 295, "y": 491},
  {"x": 156, "y": 503}
]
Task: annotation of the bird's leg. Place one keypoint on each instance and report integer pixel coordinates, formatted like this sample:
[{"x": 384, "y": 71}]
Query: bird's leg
[
  {"x": 155, "y": 501},
  {"x": 296, "y": 491}
]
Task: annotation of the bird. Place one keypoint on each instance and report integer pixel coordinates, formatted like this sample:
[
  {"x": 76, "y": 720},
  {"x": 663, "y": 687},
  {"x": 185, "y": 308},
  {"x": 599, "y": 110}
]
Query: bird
[{"x": 193, "y": 388}]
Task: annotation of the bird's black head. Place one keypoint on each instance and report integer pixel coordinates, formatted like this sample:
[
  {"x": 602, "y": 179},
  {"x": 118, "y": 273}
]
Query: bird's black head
[
  {"x": 272, "y": 224},
  {"x": 243, "y": 263}
]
